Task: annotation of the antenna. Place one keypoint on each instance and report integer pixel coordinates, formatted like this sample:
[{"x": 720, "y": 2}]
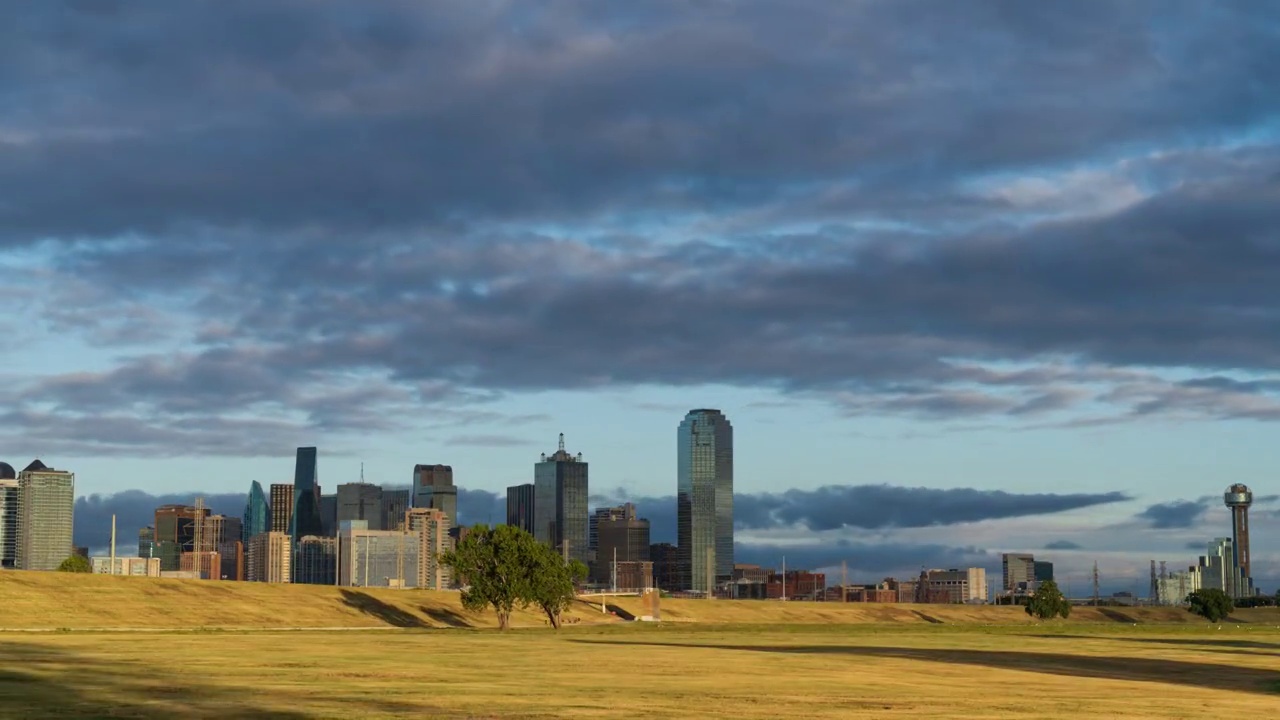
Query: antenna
[
  {"x": 1155, "y": 586},
  {"x": 1095, "y": 584},
  {"x": 361, "y": 473},
  {"x": 561, "y": 442}
]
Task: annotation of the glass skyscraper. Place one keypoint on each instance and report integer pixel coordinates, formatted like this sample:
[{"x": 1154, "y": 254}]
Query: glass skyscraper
[
  {"x": 433, "y": 488},
  {"x": 257, "y": 513},
  {"x": 704, "y": 499},
  {"x": 560, "y": 503},
  {"x": 306, "y": 497}
]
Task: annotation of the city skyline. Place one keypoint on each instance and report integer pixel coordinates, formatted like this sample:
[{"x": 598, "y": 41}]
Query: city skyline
[{"x": 927, "y": 258}]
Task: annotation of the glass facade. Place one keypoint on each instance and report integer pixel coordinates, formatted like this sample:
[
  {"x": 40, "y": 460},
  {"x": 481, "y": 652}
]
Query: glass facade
[
  {"x": 560, "y": 503},
  {"x": 257, "y": 513},
  {"x": 433, "y": 488},
  {"x": 704, "y": 499},
  {"x": 8, "y": 523},
  {"x": 520, "y": 506},
  {"x": 306, "y": 496},
  {"x": 46, "y": 501}
]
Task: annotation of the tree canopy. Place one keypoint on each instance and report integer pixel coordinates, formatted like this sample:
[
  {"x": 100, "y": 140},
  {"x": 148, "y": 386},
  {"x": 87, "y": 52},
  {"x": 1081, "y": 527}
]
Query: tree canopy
[
  {"x": 1211, "y": 604},
  {"x": 552, "y": 582},
  {"x": 493, "y": 566},
  {"x": 1048, "y": 602},
  {"x": 75, "y": 564}
]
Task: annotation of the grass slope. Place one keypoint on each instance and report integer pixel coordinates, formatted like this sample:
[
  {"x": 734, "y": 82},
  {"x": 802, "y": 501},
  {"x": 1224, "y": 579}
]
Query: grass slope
[{"x": 31, "y": 600}]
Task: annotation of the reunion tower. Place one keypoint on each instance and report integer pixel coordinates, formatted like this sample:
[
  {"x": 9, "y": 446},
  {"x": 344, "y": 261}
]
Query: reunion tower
[{"x": 1239, "y": 497}]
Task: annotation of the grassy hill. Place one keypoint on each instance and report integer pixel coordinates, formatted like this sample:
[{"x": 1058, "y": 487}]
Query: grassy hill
[{"x": 33, "y": 600}]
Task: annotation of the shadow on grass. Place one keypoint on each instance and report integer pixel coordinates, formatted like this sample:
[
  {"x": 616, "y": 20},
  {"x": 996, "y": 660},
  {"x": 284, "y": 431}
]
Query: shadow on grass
[
  {"x": 43, "y": 682},
  {"x": 1194, "y": 642},
  {"x": 927, "y": 618},
  {"x": 445, "y": 616},
  {"x": 389, "y": 614},
  {"x": 1156, "y": 670}
]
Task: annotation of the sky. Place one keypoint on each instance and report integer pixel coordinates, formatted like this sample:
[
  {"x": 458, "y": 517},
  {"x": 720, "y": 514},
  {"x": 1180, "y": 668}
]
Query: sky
[{"x": 966, "y": 277}]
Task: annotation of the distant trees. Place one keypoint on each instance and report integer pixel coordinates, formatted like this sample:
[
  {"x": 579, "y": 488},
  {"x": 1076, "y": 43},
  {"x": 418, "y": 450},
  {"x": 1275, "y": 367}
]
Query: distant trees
[
  {"x": 1211, "y": 604},
  {"x": 75, "y": 564},
  {"x": 505, "y": 567},
  {"x": 1048, "y": 602}
]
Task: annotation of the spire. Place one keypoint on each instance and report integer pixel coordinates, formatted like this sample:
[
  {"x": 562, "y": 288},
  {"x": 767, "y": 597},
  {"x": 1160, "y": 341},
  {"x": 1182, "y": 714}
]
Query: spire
[{"x": 561, "y": 442}]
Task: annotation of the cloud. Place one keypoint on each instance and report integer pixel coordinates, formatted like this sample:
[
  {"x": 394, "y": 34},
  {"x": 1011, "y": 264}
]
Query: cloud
[
  {"x": 866, "y": 562},
  {"x": 469, "y": 201},
  {"x": 134, "y": 510},
  {"x": 1063, "y": 545},
  {"x": 1178, "y": 514},
  {"x": 489, "y": 440}
]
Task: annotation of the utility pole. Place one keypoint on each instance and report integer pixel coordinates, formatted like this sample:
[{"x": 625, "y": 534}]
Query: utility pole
[
  {"x": 784, "y": 577},
  {"x": 844, "y": 581},
  {"x": 198, "y": 539},
  {"x": 1096, "y": 597}
]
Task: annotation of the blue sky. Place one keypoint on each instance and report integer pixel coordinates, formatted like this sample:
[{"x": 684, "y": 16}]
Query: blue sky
[{"x": 1023, "y": 249}]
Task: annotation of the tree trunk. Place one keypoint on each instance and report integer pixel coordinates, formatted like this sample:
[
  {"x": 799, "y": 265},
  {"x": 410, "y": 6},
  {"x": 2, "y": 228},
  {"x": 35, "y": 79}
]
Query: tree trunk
[
  {"x": 552, "y": 616},
  {"x": 504, "y": 620}
]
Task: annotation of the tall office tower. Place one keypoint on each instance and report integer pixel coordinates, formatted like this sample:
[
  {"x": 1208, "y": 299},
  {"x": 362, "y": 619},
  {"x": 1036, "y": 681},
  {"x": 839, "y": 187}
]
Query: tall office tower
[
  {"x": 666, "y": 565},
  {"x": 1218, "y": 569},
  {"x": 360, "y": 501},
  {"x": 316, "y": 560},
  {"x": 431, "y": 527},
  {"x": 177, "y": 524},
  {"x": 1238, "y": 498},
  {"x": 395, "y": 503},
  {"x": 147, "y": 542},
  {"x": 306, "y": 496},
  {"x": 560, "y": 503},
  {"x": 46, "y": 503},
  {"x": 433, "y": 488},
  {"x": 520, "y": 506},
  {"x": 221, "y": 535},
  {"x": 329, "y": 515},
  {"x": 8, "y": 519},
  {"x": 257, "y": 513},
  {"x": 623, "y": 538},
  {"x": 1018, "y": 568},
  {"x": 1043, "y": 571},
  {"x": 269, "y": 558},
  {"x": 704, "y": 499},
  {"x": 281, "y": 508}
]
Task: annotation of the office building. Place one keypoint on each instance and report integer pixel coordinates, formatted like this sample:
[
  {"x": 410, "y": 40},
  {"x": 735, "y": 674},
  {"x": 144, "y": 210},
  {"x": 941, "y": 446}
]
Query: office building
[
  {"x": 46, "y": 503},
  {"x": 1218, "y": 569},
  {"x": 1238, "y": 498},
  {"x": 704, "y": 500},
  {"x": 177, "y": 524},
  {"x": 433, "y": 488},
  {"x": 306, "y": 496},
  {"x": 1173, "y": 589},
  {"x": 376, "y": 558},
  {"x": 281, "y": 508},
  {"x": 431, "y": 527},
  {"x": 7, "y": 472},
  {"x": 1019, "y": 570},
  {"x": 204, "y": 565},
  {"x": 135, "y": 566},
  {"x": 560, "y": 503},
  {"x": 269, "y": 558},
  {"x": 593, "y": 523},
  {"x": 360, "y": 501},
  {"x": 520, "y": 507},
  {"x": 329, "y": 515},
  {"x": 666, "y": 565},
  {"x": 8, "y": 519},
  {"x": 624, "y": 538},
  {"x": 395, "y": 503},
  {"x": 632, "y": 576},
  {"x": 257, "y": 513},
  {"x": 1043, "y": 571},
  {"x": 961, "y": 586},
  {"x": 316, "y": 560}
]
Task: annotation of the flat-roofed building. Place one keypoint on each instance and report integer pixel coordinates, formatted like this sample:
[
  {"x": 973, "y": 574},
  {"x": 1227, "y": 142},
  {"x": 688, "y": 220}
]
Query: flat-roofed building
[
  {"x": 8, "y": 522},
  {"x": 962, "y": 586},
  {"x": 316, "y": 560},
  {"x": 431, "y": 527},
  {"x": 376, "y": 558},
  {"x": 46, "y": 504},
  {"x": 269, "y": 557},
  {"x": 135, "y": 566}
]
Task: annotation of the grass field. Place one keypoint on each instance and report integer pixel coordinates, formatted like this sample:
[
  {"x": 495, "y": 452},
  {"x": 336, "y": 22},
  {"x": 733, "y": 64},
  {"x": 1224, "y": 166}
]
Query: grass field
[{"x": 393, "y": 654}]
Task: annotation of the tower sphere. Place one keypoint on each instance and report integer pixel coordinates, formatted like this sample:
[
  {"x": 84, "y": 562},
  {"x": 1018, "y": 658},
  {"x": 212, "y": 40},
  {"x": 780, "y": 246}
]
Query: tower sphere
[{"x": 1238, "y": 495}]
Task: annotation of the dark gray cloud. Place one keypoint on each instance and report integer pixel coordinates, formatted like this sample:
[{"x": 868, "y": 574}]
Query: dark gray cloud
[
  {"x": 865, "y": 562},
  {"x": 339, "y": 212},
  {"x": 134, "y": 510},
  {"x": 1178, "y": 514},
  {"x": 1063, "y": 545}
]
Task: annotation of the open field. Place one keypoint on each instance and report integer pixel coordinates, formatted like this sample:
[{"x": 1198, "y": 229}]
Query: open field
[{"x": 681, "y": 670}]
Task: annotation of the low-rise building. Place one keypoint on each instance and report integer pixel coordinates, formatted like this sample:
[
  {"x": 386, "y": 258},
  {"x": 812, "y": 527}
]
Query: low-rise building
[{"x": 136, "y": 566}]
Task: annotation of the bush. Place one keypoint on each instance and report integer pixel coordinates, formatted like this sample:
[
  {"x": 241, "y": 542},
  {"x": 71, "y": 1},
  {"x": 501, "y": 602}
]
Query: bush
[
  {"x": 1048, "y": 602},
  {"x": 1211, "y": 604},
  {"x": 75, "y": 564}
]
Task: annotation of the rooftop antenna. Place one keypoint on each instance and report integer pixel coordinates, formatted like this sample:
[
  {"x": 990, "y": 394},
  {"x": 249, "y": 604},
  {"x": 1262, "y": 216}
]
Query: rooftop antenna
[
  {"x": 561, "y": 442},
  {"x": 361, "y": 473},
  {"x": 1095, "y": 584}
]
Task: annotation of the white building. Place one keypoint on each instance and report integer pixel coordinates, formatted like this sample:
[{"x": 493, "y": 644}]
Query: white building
[
  {"x": 143, "y": 567},
  {"x": 1218, "y": 569}
]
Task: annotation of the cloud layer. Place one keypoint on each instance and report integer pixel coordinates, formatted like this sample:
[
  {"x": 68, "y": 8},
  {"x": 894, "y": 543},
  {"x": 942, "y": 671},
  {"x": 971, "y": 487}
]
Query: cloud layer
[{"x": 310, "y": 217}]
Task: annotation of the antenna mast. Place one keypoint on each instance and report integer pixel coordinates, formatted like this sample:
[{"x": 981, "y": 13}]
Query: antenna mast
[
  {"x": 1095, "y": 584},
  {"x": 561, "y": 442}
]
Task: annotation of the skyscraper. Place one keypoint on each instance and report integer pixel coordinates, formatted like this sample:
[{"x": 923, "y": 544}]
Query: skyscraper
[
  {"x": 360, "y": 501},
  {"x": 1018, "y": 569},
  {"x": 622, "y": 538},
  {"x": 560, "y": 503},
  {"x": 431, "y": 527},
  {"x": 520, "y": 506},
  {"x": 306, "y": 496},
  {"x": 257, "y": 513},
  {"x": 177, "y": 524},
  {"x": 8, "y": 522},
  {"x": 281, "y": 508},
  {"x": 433, "y": 488},
  {"x": 46, "y": 503},
  {"x": 1238, "y": 498},
  {"x": 704, "y": 499},
  {"x": 395, "y": 503}
]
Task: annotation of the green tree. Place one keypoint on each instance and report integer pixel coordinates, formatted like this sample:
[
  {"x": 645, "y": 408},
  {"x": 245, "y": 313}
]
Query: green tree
[
  {"x": 1211, "y": 604},
  {"x": 75, "y": 564},
  {"x": 1048, "y": 602},
  {"x": 496, "y": 569},
  {"x": 553, "y": 582}
]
